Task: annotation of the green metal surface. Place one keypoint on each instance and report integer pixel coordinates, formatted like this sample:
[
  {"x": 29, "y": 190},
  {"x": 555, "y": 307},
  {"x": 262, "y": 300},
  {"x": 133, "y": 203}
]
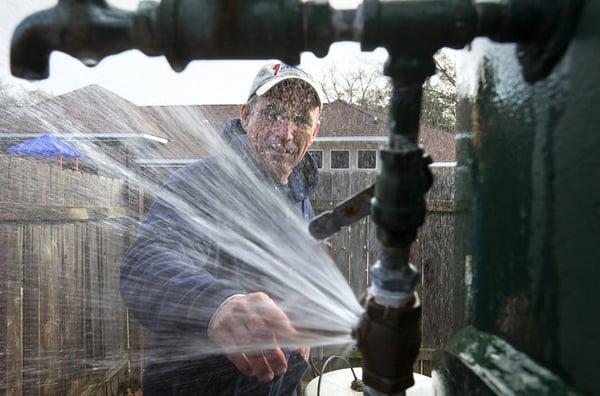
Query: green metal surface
[
  {"x": 535, "y": 212},
  {"x": 486, "y": 365}
]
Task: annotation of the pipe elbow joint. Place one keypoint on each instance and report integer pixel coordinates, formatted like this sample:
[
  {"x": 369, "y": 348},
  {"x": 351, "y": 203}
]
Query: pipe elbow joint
[
  {"x": 31, "y": 45},
  {"x": 88, "y": 30}
]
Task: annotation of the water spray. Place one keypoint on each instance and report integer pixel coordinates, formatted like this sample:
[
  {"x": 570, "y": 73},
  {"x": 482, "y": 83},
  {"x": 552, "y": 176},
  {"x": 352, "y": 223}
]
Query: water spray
[{"x": 411, "y": 31}]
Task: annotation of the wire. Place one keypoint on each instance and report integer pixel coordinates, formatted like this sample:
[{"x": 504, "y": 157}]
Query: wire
[
  {"x": 315, "y": 371},
  {"x": 325, "y": 366}
]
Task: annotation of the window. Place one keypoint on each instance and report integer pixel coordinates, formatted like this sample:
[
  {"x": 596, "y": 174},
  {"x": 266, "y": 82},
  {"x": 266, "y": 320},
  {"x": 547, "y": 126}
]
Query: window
[
  {"x": 318, "y": 156},
  {"x": 340, "y": 159},
  {"x": 367, "y": 159}
]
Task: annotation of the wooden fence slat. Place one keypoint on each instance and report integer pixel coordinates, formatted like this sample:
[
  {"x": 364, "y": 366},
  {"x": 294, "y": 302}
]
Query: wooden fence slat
[
  {"x": 438, "y": 279},
  {"x": 358, "y": 260},
  {"x": 5, "y": 185},
  {"x": 12, "y": 184},
  {"x": 340, "y": 189},
  {"x": 45, "y": 187},
  {"x": 94, "y": 309},
  {"x": 357, "y": 273},
  {"x": 50, "y": 300},
  {"x": 33, "y": 172},
  {"x": 359, "y": 180},
  {"x": 323, "y": 193},
  {"x": 70, "y": 346},
  {"x": 11, "y": 267},
  {"x": 5, "y": 240},
  {"x": 31, "y": 309},
  {"x": 82, "y": 274},
  {"x": 107, "y": 304},
  {"x": 341, "y": 255},
  {"x": 69, "y": 194},
  {"x": 138, "y": 336},
  {"x": 340, "y": 186}
]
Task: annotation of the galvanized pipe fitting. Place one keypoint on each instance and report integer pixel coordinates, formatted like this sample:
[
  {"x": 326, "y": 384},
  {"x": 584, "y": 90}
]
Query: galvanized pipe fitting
[{"x": 393, "y": 279}]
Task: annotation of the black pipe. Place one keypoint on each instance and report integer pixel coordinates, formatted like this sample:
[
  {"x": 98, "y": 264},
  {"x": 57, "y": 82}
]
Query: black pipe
[
  {"x": 182, "y": 30},
  {"x": 86, "y": 29},
  {"x": 398, "y": 209}
]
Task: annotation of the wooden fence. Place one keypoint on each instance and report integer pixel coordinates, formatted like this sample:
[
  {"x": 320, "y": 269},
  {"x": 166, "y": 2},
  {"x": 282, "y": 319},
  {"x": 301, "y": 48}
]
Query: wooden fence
[
  {"x": 356, "y": 248},
  {"x": 63, "y": 327}
]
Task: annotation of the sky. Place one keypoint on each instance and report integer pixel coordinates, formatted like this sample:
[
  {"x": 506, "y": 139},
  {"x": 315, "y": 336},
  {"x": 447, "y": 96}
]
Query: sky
[{"x": 149, "y": 80}]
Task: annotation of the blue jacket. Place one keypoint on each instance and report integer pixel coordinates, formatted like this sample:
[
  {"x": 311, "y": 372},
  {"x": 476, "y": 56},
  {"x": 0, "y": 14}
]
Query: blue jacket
[{"x": 159, "y": 284}]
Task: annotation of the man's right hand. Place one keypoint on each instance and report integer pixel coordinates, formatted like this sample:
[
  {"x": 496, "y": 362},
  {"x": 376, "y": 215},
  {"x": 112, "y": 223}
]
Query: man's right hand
[{"x": 253, "y": 319}]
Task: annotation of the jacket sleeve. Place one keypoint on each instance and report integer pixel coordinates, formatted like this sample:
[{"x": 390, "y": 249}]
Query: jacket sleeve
[{"x": 162, "y": 283}]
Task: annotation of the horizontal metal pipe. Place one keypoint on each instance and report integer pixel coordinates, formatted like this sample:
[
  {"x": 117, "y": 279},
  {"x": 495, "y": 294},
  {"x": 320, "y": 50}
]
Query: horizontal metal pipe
[{"x": 182, "y": 30}]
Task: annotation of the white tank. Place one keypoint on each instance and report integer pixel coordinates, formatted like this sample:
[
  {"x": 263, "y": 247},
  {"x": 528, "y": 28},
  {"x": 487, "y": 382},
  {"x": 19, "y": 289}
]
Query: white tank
[{"x": 337, "y": 383}]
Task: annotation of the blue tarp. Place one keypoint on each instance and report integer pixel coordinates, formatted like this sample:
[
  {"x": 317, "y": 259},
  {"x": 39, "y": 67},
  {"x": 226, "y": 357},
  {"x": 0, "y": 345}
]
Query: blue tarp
[{"x": 45, "y": 145}]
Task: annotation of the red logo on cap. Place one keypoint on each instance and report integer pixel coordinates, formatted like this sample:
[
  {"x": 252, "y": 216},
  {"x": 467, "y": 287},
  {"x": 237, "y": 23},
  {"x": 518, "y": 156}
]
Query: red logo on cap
[{"x": 276, "y": 68}]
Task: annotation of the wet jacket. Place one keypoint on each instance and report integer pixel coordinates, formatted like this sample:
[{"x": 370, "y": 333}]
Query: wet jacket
[{"x": 159, "y": 284}]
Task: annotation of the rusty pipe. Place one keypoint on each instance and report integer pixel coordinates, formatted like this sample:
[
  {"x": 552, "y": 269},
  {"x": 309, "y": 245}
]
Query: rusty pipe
[{"x": 389, "y": 340}]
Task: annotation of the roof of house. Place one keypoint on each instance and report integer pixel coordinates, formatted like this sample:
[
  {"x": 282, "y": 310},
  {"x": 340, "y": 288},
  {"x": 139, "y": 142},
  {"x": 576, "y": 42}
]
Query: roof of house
[
  {"x": 91, "y": 109},
  {"x": 180, "y": 132},
  {"x": 438, "y": 144},
  {"x": 344, "y": 119},
  {"x": 341, "y": 119},
  {"x": 187, "y": 129}
]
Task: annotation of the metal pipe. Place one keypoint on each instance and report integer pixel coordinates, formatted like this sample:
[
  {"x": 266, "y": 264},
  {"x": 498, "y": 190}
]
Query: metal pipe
[
  {"x": 71, "y": 27},
  {"x": 398, "y": 209},
  {"x": 182, "y": 30}
]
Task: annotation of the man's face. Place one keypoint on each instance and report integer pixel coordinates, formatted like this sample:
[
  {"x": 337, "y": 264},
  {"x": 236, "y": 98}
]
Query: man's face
[{"x": 281, "y": 125}]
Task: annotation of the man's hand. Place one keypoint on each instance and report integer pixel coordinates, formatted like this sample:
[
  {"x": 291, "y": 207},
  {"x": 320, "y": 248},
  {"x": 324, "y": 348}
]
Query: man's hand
[
  {"x": 304, "y": 352},
  {"x": 253, "y": 319}
]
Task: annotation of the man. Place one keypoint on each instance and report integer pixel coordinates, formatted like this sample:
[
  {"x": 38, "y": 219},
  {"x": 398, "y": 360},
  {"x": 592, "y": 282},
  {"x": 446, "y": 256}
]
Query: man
[{"x": 161, "y": 283}]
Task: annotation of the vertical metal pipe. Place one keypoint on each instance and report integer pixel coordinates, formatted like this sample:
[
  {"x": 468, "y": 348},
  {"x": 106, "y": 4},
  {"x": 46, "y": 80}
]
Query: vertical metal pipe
[
  {"x": 408, "y": 72},
  {"x": 399, "y": 204},
  {"x": 391, "y": 319}
]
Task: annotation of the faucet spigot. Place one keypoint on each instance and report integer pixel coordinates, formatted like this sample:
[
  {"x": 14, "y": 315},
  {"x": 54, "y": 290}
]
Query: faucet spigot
[{"x": 86, "y": 29}]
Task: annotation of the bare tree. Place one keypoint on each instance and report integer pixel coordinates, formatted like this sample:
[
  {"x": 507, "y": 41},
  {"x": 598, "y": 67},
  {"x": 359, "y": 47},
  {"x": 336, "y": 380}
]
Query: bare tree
[
  {"x": 366, "y": 86},
  {"x": 438, "y": 107}
]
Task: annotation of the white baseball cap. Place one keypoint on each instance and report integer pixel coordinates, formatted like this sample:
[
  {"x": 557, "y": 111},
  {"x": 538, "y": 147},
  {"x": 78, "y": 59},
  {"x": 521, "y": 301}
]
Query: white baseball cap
[{"x": 275, "y": 72}]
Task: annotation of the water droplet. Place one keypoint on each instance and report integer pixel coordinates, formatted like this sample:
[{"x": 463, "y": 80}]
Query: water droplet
[{"x": 89, "y": 62}]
